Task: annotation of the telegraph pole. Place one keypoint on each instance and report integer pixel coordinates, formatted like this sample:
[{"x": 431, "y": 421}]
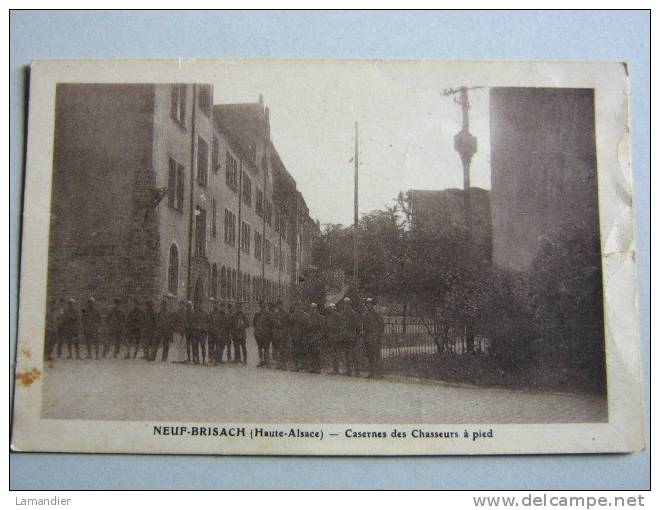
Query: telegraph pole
[
  {"x": 466, "y": 146},
  {"x": 355, "y": 214}
]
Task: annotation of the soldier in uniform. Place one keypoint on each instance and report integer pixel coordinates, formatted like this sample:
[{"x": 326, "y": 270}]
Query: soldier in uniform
[
  {"x": 333, "y": 331},
  {"x": 91, "y": 328},
  {"x": 51, "y": 330},
  {"x": 164, "y": 331},
  {"x": 373, "y": 326},
  {"x": 279, "y": 327},
  {"x": 229, "y": 328},
  {"x": 224, "y": 334},
  {"x": 299, "y": 332},
  {"x": 189, "y": 332},
  {"x": 134, "y": 319},
  {"x": 314, "y": 335},
  {"x": 350, "y": 331},
  {"x": 149, "y": 325},
  {"x": 261, "y": 325},
  {"x": 179, "y": 329},
  {"x": 71, "y": 328},
  {"x": 115, "y": 321},
  {"x": 239, "y": 324},
  {"x": 216, "y": 318},
  {"x": 199, "y": 326}
]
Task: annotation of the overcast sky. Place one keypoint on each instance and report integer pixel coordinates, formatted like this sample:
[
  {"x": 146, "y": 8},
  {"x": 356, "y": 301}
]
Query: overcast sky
[{"x": 406, "y": 126}]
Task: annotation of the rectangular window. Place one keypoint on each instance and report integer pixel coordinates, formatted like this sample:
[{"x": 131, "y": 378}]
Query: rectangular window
[
  {"x": 260, "y": 202},
  {"x": 180, "y": 186},
  {"x": 257, "y": 244},
  {"x": 175, "y": 185},
  {"x": 204, "y": 99},
  {"x": 200, "y": 231},
  {"x": 277, "y": 221},
  {"x": 215, "y": 155},
  {"x": 214, "y": 218},
  {"x": 276, "y": 258},
  {"x": 247, "y": 189},
  {"x": 269, "y": 212},
  {"x": 202, "y": 161},
  {"x": 171, "y": 184},
  {"x": 267, "y": 251},
  {"x": 231, "y": 172},
  {"x": 178, "y": 103},
  {"x": 245, "y": 237},
  {"x": 230, "y": 228}
]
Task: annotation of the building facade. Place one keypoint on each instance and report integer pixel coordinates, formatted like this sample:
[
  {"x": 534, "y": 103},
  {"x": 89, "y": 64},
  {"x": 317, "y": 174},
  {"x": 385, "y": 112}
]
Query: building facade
[{"x": 156, "y": 191}]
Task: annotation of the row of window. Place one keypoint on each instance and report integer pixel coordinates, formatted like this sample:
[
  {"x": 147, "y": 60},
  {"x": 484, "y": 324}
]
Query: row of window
[
  {"x": 178, "y": 101},
  {"x": 225, "y": 285},
  {"x": 261, "y": 245},
  {"x": 178, "y": 113}
]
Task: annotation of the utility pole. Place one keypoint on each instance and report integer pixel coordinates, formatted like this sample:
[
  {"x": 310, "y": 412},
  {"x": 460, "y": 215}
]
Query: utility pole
[
  {"x": 355, "y": 214},
  {"x": 466, "y": 146}
]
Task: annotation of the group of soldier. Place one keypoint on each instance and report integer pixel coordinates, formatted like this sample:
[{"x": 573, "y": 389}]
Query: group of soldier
[{"x": 297, "y": 339}]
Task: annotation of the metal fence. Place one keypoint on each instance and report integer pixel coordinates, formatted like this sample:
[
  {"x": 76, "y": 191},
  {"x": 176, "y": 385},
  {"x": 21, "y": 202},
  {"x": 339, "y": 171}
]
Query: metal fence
[{"x": 409, "y": 336}]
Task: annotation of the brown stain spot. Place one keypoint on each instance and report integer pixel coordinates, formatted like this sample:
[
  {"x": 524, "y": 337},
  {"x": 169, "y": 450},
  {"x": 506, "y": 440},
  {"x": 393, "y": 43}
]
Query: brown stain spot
[
  {"x": 27, "y": 353},
  {"x": 27, "y": 377}
]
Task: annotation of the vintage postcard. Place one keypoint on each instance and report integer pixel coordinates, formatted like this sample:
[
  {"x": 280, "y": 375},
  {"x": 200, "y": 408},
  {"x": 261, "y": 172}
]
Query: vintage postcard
[{"x": 328, "y": 257}]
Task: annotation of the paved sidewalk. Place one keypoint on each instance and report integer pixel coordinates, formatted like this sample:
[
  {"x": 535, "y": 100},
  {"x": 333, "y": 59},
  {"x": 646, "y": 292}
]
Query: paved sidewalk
[{"x": 118, "y": 389}]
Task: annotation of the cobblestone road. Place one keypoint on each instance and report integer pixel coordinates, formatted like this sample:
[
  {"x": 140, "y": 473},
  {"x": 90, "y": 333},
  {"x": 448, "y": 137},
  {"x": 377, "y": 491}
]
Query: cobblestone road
[{"x": 118, "y": 389}]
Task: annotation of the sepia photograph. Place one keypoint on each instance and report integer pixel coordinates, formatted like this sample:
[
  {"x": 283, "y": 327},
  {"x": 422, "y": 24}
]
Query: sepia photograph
[{"x": 327, "y": 257}]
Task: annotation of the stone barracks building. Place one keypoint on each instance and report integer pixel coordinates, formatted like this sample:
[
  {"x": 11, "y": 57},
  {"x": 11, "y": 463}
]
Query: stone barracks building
[{"x": 158, "y": 191}]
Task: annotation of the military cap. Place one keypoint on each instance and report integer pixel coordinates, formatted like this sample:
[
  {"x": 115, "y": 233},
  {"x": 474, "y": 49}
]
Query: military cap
[
  {"x": 212, "y": 299},
  {"x": 369, "y": 300},
  {"x": 91, "y": 299},
  {"x": 313, "y": 305},
  {"x": 332, "y": 305},
  {"x": 347, "y": 299},
  {"x": 71, "y": 300}
]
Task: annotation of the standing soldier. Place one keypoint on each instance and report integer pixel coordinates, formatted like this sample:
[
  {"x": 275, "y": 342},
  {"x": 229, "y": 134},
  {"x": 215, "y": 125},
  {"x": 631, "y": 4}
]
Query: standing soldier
[
  {"x": 374, "y": 326},
  {"x": 279, "y": 326},
  {"x": 134, "y": 319},
  {"x": 224, "y": 334},
  {"x": 51, "y": 330},
  {"x": 91, "y": 328},
  {"x": 164, "y": 331},
  {"x": 215, "y": 330},
  {"x": 333, "y": 332},
  {"x": 315, "y": 332},
  {"x": 299, "y": 332},
  {"x": 350, "y": 331},
  {"x": 229, "y": 328},
  {"x": 239, "y": 324},
  {"x": 189, "y": 332},
  {"x": 272, "y": 321},
  {"x": 199, "y": 329},
  {"x": 71, "y": 328},
  {"x": 115, "y": 321},
  {"x": 149, "y": 325},
  {"x": 260, "y": 324},
  {"x": 179, "y": 330}
]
